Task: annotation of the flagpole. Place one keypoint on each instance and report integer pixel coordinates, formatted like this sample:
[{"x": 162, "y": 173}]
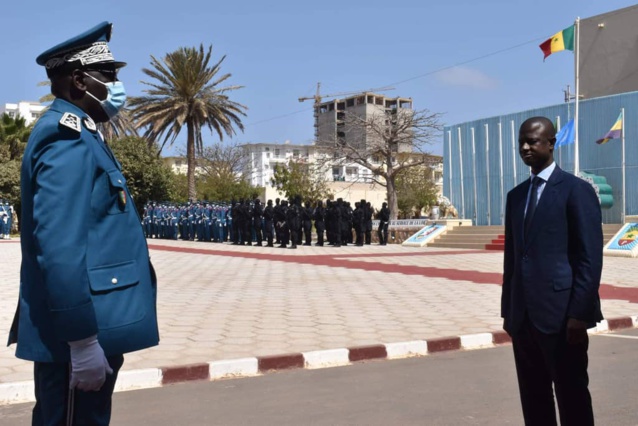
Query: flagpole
[
  {"x": 501, "y": 177},
  {"x": 449, "y": 142},
  {"x": 577, "y": 81},
  {"x": 487, "y": 173},
  {"x": 513, "y": 151},
  {"x": 461, "y": 171},
  {"x": 624, "y": 187},
  {"x": 474, "y": 175},
  {"x": 560, "y": 156}
]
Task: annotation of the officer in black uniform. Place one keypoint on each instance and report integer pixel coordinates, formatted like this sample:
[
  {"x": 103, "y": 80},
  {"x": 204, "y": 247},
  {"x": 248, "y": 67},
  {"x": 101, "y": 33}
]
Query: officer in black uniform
[
  {"x": 319, "y": 216},
  {"x": 278, "y": 215},
  {"x": 336, "y": 223},
  {"x": 358, "y": 223},
  {"x": 257, "y": 221},
  {"x": 268, "y": 223},
  {"x": 281, "y": 215},
  {"x": 368, "y": 221},
  {"x": 384, "y": 218},
  {"x": 292, "y": 220},
  {"x": 306, "y": 218}
]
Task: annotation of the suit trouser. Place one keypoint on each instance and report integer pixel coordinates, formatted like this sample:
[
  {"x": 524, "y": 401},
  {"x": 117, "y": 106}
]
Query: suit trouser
[
  {"x": 543, "y": 359},
  {"x": 54, "y": 402}
]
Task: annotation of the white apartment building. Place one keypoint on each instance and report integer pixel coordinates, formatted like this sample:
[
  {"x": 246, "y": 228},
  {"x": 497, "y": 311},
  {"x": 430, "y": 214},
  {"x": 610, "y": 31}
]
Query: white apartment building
[
  {"x": 349, "y": 181},
  {"x": 265, "y": 156},
  {"x": 30, "y": 111},
  {"x": 179, "y": 165}
]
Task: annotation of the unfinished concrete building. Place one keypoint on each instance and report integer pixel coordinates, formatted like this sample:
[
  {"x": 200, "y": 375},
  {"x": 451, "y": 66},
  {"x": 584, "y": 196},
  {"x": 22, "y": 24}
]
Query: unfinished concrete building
[{"x": 338, "y": 121}]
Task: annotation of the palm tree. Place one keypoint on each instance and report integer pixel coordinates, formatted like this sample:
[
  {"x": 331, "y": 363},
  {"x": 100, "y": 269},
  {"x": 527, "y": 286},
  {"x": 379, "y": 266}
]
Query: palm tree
[
  {"x": 187, "y": 93},
  {"x": 14, "y": 133}
]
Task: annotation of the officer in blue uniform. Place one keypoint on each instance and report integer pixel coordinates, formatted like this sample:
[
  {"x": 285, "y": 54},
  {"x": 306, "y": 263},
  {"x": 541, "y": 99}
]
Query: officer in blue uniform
[
  {"x": 88, "y": 290},
  {"x": 9, "y": 225},
  {"x": 5, "y": 226}
]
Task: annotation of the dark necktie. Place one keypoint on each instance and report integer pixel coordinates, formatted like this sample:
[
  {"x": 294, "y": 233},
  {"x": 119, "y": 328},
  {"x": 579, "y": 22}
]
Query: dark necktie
[{"x": 531, "y": 204}]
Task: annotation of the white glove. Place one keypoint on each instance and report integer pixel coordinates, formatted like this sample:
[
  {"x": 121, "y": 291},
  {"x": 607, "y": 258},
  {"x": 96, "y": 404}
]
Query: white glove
[{"x": 89, "y": 365}]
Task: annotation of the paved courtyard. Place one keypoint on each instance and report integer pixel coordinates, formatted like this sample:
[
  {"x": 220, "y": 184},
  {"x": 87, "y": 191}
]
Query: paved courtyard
[{"x": 218, "y": 301}]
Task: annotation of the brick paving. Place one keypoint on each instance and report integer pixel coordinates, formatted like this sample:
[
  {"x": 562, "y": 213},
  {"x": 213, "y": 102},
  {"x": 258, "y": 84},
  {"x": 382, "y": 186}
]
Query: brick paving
[{"x": 218, "y": 301}]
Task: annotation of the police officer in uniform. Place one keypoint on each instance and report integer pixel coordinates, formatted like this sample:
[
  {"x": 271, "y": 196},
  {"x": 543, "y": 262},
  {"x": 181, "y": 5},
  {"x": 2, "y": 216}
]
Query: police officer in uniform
[
  {"x": 384, "y": 218},
  {"x": 306, "y": 223},
  {"x": 319, "y": 216},
  {"x": 257, "y": 221},
  {"x": 368, "y": 221},
  {"x": 358, "y": 216},
  {"x": 268, "y": 223},
  {"x": 87, "y": 287}
]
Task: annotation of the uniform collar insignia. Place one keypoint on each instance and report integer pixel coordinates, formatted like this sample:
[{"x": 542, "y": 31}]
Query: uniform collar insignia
[
  {"x": 71, "y": 121},
  {"x": 89, "y": 124}
]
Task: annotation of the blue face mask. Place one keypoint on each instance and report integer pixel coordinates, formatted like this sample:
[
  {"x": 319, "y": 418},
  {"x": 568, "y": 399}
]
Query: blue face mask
[{"x": 115, "y": 98}]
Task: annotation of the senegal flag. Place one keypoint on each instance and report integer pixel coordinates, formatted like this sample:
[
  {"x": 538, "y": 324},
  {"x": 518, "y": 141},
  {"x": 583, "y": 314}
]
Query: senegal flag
[{"x": 563, "y": 40}]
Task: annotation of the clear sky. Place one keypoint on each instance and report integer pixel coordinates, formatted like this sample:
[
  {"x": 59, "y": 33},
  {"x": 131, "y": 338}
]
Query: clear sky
[{"x": 280, "y": 49}]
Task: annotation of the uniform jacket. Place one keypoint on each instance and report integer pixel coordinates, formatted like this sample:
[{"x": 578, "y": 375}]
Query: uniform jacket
[
  {"x": 555, "y": 273},
  {"x": 85, "y": 263}
]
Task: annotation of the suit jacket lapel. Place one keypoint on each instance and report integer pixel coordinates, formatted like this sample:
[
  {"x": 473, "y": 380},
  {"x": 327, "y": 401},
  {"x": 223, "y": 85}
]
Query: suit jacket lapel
[
  {"x": 518, "y": 211},
  {"x": 541, "y": 215}
]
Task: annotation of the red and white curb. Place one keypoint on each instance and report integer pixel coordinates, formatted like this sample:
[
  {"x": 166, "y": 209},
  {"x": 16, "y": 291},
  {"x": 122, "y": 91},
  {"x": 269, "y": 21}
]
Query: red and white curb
[{"x": 18, "y": 392}]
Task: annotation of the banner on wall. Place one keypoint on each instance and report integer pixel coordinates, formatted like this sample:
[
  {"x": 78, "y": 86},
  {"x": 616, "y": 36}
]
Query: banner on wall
[
  {"x": 425, "y": 235},
  {"x": 625, "y": 242}
]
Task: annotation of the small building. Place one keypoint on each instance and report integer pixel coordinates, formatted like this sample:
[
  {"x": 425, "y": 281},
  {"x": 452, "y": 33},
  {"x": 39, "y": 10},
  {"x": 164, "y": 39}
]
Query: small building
[{"x": 30, "y": 111}]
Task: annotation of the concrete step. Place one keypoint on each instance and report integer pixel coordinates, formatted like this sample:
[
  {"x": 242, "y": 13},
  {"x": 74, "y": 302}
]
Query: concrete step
[
  {"x": 474, "y": 246},
  {"x": 479, "y": 230},
  {"x": 468, "y": 238},
  {"x": 491, "y": 237}
]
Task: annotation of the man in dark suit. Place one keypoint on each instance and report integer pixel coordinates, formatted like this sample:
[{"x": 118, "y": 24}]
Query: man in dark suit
[{"x": 552, "y": 268}]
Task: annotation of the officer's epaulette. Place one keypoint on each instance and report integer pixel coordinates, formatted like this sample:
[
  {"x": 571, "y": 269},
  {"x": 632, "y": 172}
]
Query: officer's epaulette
[{"x": 71, "y": 121}]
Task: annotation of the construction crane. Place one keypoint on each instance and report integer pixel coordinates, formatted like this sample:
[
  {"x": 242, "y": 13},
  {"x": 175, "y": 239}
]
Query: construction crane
[{"x": 318, "y": 97}]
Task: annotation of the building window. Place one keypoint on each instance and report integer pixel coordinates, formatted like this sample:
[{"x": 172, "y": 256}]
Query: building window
[
  {"x": 276, "y": 152},
  {"x": 267, "y": 149},
  {"x": 268, "y": 155},
  {"x": 352, "y": 171},
  {"x": 295, "y": 153}
]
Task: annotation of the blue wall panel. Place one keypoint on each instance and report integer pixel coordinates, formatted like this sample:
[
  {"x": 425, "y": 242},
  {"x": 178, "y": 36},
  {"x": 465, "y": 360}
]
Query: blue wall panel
[{"x": 482, "y": 155}]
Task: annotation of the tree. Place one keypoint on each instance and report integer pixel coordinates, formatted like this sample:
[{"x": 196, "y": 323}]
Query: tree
[
  {"x": 298, "y": 178},
  {"x": 387, "y": 142},
  {"x": 222, "y": 175},
  {"x": 14, "y": 134},
  {"x": 147, "y": 176},
  {"x": 416, "y": 190},
  {"x": 187, "y": 93}
]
